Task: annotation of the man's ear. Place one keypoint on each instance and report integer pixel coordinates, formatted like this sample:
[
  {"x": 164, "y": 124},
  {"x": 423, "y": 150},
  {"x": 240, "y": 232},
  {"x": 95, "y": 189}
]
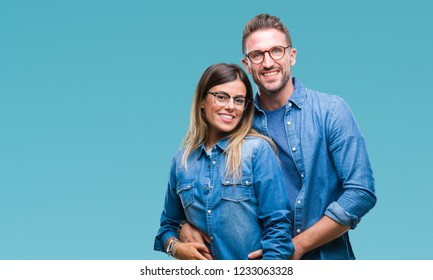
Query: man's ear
[
  {"x": 246, "y": 65},
  {"x": 292, "y": 57}
]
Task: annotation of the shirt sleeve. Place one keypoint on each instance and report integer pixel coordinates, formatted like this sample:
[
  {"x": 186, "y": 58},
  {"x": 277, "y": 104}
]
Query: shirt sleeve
[
  {"x": 348, "y": 151},
  {"x": 172, "y": 214},
  {"x": 273, "y": 207}
]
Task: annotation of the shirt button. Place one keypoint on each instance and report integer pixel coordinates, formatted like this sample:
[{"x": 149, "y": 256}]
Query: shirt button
[
  {"x": 209, "y": 211},
  {"x": 210, "y": 187},
  {"x": 227, "y": 182},
  {"x": 298, "y": 230},
  {"x": 213, "y": 162},
  {"x": 246, "y": 182},
  {"x": 290, "y": 104},
  {"x": 289, "y": 123},
  {"x": 302, "y": 175},
  {"x": 294, "y": 149},
  {"x": 299, "y": 202}
]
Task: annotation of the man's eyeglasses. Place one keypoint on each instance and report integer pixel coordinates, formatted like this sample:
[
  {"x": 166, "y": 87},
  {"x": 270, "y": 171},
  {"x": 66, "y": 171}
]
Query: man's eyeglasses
[
  {"x": 221, "y": 98},
  {"x": 276, "y": 53}
]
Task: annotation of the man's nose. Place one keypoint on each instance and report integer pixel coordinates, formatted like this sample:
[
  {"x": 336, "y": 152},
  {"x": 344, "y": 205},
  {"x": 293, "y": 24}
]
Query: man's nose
[{"x": 267, "y": 60}]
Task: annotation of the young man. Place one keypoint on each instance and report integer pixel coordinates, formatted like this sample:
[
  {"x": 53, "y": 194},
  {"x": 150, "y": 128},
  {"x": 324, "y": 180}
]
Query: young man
[{"x": 320, "y": 146}]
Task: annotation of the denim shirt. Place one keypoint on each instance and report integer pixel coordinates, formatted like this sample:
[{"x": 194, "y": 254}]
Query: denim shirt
[
  {"x": 331, "y": 157},
  {"x": 240, "y": 216}
]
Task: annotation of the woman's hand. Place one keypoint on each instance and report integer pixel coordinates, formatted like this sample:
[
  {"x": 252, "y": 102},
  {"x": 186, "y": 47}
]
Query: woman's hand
[
  {"x": 189, "y": 233},
  {"x": 191, "y": 251}
]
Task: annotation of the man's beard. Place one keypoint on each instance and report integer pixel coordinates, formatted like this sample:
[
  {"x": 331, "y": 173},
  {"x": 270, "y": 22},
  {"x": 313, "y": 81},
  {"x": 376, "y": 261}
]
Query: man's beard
[{"x": 275, "y": 90}]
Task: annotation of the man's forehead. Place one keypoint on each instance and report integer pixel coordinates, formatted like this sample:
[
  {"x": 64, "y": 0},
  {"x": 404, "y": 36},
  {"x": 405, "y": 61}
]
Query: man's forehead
[{"x": 264, "y": 39}]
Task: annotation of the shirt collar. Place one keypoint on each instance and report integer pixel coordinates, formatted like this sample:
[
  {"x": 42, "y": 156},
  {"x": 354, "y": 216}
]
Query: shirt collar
[
  {"x": 297, "y": 98},
  {"x": 299, "y": 94},
  {"x": 221, "y": 145}
]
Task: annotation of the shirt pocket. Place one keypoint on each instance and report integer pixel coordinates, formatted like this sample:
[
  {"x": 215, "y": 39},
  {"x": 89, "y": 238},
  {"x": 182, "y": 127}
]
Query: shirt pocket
[
  {"x": 186, "y": 193},
  {"x": 237, "y": 190}
]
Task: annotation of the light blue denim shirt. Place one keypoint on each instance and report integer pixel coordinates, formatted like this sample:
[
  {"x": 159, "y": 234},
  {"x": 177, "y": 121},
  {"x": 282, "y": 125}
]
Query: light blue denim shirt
[
  {"x": 331, "y": 157},
  {"x": 240, "y": 215}
]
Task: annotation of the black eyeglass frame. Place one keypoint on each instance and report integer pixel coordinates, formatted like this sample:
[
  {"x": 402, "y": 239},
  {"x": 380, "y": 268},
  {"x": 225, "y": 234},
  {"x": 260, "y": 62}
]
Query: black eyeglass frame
[{"x": 246, "y": 100}]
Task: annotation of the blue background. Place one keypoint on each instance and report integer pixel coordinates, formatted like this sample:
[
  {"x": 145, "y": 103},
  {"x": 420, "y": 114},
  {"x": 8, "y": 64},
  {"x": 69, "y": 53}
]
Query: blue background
[{"x": 95, "y": 99}]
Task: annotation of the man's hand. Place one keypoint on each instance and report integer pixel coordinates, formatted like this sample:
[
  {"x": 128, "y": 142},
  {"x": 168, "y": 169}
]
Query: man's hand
[
  {"x": 256, "y": 255},
  {"x": 189, "y": 233},
  {"x": 322, "y": 232}
]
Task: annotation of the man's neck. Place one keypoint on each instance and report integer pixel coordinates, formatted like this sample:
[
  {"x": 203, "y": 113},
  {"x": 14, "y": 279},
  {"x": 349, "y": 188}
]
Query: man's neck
[{"x": 274, "y": 100}]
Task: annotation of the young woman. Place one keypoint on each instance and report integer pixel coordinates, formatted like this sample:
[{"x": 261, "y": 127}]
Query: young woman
[{"x": 226, "y": 180}]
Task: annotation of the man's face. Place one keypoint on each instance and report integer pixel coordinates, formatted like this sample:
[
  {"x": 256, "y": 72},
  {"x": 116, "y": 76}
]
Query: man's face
[{"x": 270, "y": 75}]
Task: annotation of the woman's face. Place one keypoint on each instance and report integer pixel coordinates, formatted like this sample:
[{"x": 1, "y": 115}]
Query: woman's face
[{"x": 223, "y": 119}]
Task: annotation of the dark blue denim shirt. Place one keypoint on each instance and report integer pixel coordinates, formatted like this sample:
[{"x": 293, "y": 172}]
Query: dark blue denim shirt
[
  {"x": 331, "y": 157},
  {"x": 240, "y": 216}
]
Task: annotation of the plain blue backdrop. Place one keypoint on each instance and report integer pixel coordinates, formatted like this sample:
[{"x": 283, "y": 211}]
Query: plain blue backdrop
[{"x": 95, "y": 99}]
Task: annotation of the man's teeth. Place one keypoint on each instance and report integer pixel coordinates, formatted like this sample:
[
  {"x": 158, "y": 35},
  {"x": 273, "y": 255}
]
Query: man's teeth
[
  {"x": 226, "y": 117},
  {"x": 270, "y": 74}
]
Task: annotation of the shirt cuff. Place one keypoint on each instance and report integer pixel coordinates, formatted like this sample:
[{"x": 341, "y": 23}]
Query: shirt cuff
[
  {"x": 335, "y": 212},
  {"x": 161, "y": 240}
]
